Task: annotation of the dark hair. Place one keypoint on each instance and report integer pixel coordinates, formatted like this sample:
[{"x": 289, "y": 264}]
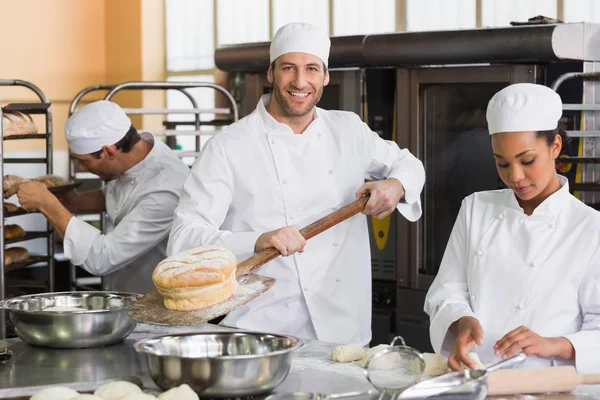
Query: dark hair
[
  {"x": 550, "y": 135},
  {"x": 126, "y": 143}
]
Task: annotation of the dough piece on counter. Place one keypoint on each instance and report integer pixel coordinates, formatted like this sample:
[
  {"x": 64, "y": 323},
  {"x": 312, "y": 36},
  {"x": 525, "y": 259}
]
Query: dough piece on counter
[
  {"x": 435, "y": 365},
  {"x": 13, "y": 231},
  {"x": 17, "y": 123},
  {"x": 348, "y": 353},
  {"x": 370, "y": 352},
  {"x": 137, "y": 396},
  {"x": 478, "y": 363},
  {"x": 181, "y": 392},
  {"x": 15, "y": 254},
  {"x": 116, "y": 390},
  {"x": 55, "y": 393},
  {"x": 196, "y": 278},
  {"x": 86, "y": 396}
]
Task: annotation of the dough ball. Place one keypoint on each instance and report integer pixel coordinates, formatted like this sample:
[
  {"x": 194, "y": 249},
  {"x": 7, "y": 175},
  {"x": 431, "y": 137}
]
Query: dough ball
[
  {"x": 55, "y": 393},
  {"x": 475, "y": 358},
  {"x": 86, "y": 397},
  {"x": 116, "y": 390},
  {"x": 372, "y": 351},
  {"x": 347, "y": 353},
  {"x": 435, "y": 365},
  {"x": 137, "y": 396},
  {"x": 182, "y": 392}
]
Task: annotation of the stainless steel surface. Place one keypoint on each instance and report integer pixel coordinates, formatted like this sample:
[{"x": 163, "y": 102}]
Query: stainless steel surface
[
  {"x": 535, "y": 44},
  {"x": 104, "y": 322},
  {"x": 220, "y": 364},
  {"x": 317, "y": 396},
  {"x": 311, "y": 369},
  {"x": 465, "y": 381}
]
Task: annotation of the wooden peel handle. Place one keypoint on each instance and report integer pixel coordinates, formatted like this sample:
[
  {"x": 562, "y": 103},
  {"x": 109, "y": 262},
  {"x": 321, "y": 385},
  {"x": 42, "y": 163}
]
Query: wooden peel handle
[{"x": 308, "y": 232}]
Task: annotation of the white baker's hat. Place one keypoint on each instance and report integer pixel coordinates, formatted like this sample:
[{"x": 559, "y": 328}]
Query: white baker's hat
[
  {"x": 300, "y": 37},
  {"x": 102, "y": 123},
  {"x": 524, "y": 107}
]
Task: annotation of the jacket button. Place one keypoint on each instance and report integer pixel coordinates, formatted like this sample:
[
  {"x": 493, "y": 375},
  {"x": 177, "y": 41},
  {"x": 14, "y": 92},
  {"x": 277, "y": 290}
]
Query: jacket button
[
  {"x": 330, "y": 171},
  {"x": 272, "y": 141},
  {"x": 500, "y": 216},
  {"x": 520, "y": 306},
  {"x": 284, "y": 181},
  {"x": 480, "y": 253},
  {"x": 473, "y": 297},
  {"x": 551, "y": 226},
  {"x": 532, "y": 264},
  {"x": 336, "y": 244}
]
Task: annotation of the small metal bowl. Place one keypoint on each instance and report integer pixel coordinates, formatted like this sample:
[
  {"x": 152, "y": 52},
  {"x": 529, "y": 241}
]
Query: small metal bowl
[
  {"x": 220, "y": 364},
  {"x": 103, "y": 322}
]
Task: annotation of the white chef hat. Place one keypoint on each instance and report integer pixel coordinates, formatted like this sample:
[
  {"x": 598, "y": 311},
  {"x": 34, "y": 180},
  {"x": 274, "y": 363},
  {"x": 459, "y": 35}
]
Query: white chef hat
[
  {"x": 102, "y": 123},
  {"x": 524, "y": 107},
  {"x": 300, "y": 37}
]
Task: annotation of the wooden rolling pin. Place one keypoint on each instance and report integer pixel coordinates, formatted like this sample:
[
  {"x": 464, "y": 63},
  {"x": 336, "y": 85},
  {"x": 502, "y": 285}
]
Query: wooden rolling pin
[
  {"x": 542, "y": 380},
  {"x": 308, "y": 232}
]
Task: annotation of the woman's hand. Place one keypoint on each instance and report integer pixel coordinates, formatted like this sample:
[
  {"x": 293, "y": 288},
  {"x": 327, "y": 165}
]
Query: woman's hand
[
  {"x": 468, "y": 333},
  {"x": 531, "y": 343}
]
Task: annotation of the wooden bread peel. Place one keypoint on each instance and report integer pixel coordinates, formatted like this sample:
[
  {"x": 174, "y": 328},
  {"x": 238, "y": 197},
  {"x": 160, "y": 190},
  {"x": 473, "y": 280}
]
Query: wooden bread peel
[
  {"x": 150, "y": 308},
  {"x": 542, "y": 380}
]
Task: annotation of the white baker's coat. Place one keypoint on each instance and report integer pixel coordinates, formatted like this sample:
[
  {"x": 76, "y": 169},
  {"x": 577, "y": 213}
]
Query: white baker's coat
[
  {"x": 508, "y": 269},
  {"x": 139, "y": 207},
  {"x": 258, "y": 176}
]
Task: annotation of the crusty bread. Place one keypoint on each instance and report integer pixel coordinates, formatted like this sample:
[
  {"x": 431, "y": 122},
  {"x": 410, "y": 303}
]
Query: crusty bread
[
  {"x": 12, "y": 180},
  {"x": 10, "y": 207},
  {"x": 196, "y": 278},
  {"x": 52, "y": 180},
  {"x": 13, "y": 232},
  {"x": 17, "y": 123},
  {"x": 15, "y": 255}
]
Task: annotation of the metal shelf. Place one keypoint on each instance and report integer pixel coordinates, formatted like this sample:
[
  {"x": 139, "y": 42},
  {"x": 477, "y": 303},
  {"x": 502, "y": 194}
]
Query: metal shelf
[
  {"x": 28, "y": 136},
  {"x": 28, "y": 108},
  {"x": 33, "y": 259},
  {"x": 20, "y": 211},
  {"x": 28, "y": 236},
  {"x": 25, "y": 160}
]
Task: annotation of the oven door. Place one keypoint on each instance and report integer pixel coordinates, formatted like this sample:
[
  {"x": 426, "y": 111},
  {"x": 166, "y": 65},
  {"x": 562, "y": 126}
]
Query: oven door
[{"x": 443, "y": 121}]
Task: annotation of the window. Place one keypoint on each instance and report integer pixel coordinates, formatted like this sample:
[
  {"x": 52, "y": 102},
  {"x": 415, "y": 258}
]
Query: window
[
  {"x": 190, "y": 35},
  {"x": 242, "y": 21},
  {"x": 503, "y": 12},
  {"x": 315, "y": 12},
  {"x": 581, "y": 10},
  {"x": 355, "y": 17},
  {"x": 430, "y": 15}
]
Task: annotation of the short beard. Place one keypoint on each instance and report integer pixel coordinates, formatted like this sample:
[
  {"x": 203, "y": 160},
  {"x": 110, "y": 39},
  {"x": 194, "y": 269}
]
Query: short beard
[{"x": 287, "y": 107}]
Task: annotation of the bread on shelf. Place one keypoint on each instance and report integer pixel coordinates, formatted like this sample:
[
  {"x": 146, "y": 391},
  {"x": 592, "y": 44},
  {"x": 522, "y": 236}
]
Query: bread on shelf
[
  {"x": 17, "y": 123},
  {"x": 196, "y": 278},
  {"x": 13, "y": 232},
  {"x": 11, "y": 181},
  {"x": 52, "y": 180},
  {"x": 15, "y": 254},
  {"x": 10, "y": 207}
]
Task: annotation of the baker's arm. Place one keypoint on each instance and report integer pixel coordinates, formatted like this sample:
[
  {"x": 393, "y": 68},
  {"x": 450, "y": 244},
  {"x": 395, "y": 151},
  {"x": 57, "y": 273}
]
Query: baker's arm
[
  {"x": 205, "y": 200},
  {"x": 139, "y": 231},
  {"x": 448, "y": 297},
  {"x": 384, "y": 159}
]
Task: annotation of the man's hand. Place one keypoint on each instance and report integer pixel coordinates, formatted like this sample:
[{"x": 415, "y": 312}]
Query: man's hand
[
  {"x": 531, "y": 343},
  {"x": 469, "y": 333},
  {"x": 287, "y": 240},
  {"x": 32, "y": 195},
  {"x": 385, "y": 196}
]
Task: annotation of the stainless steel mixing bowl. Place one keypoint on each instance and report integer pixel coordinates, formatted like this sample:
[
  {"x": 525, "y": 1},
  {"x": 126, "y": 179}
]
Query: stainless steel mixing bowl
[
  {"x": 103, "y": 322},
  {"x": 220, "y": 364}
]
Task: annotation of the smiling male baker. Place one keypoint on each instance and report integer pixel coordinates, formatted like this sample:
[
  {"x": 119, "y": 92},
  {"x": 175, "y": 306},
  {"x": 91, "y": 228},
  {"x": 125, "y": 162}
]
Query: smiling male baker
[{"x": 286, "y": 165}]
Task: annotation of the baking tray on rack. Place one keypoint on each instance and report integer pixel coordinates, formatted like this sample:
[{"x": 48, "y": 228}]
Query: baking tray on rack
[
  {"x": 28, "y": 236},
  {"x": 27, "y": 136},
  {"x": 33, "y": 259},
  {"x": 64, "y": 188}
]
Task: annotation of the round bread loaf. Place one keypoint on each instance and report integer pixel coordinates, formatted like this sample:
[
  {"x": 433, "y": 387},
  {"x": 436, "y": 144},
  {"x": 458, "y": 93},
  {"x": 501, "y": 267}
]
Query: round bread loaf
[
  {"x": 13, "y": 231},
  {"x": 196, "y": 278}
]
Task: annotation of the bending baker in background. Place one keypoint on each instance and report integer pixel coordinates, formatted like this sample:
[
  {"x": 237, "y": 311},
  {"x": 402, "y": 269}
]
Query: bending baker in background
[
  {"x": 521, "y": 271},
  {"x": 286, "y": 165},
  {"x": 144, "y": 179}
]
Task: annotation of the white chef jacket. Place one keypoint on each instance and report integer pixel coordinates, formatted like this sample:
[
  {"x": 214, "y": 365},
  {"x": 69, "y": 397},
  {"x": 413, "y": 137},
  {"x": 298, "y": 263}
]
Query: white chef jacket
[
  {"x": 508, "y": 269},
  {"x": 139, "y": 207},
  {"x": 258, "y": 176}
]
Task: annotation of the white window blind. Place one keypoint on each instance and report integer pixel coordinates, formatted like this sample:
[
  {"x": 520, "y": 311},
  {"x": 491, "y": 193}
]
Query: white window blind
[
  {"x": 502, "y": 12},
  {"x": 358, "y": 17},
  {"x": 315, "y": 12},
  {"x": 242, "y": 21},
  {"x": 433, "y": 15}
]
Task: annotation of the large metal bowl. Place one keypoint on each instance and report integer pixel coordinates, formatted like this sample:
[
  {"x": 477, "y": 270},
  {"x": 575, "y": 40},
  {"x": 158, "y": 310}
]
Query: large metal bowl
[
  {"x": 103, "y": 322},
  {"x": 220, "y": 364}
]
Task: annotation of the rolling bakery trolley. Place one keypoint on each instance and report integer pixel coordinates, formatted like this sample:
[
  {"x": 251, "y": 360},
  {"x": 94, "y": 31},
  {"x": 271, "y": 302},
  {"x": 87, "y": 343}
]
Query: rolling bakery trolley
[
  {"x": 227, "y": 115},
  {"x": 43, "y": 108}
]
